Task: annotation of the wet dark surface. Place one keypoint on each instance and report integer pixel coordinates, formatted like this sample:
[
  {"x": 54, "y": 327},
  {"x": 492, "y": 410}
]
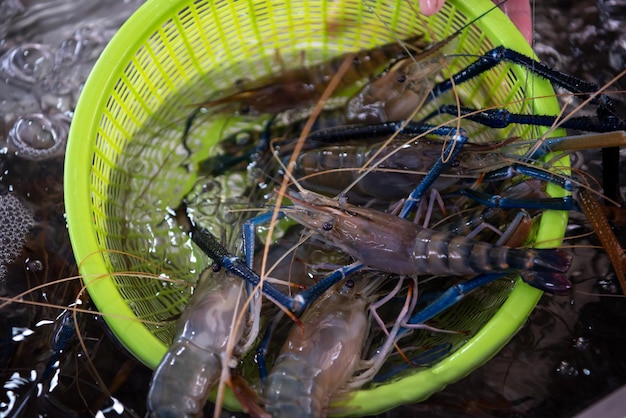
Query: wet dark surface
[{"x": 568, "y": 356}]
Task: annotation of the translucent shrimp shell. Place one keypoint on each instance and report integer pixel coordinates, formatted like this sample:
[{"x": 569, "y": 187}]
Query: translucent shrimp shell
[{"x": 318, "y": 359}]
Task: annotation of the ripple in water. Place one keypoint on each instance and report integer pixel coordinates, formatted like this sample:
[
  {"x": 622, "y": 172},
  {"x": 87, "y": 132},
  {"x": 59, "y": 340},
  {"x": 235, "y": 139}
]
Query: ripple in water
[
  {"x": 42, "y": 73},
  {"x": 47, "y": 49},
  {"x": 26, "y": 64},
  {"x": 8, "y": 10}
]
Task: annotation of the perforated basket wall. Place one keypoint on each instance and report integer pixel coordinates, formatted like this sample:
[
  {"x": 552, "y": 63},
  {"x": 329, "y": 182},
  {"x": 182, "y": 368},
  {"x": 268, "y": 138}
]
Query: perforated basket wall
[{"x": 125, "y": 166}]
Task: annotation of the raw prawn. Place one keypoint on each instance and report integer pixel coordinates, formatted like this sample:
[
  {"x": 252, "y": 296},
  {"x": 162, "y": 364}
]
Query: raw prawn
[
  {"x": 197, "y": 358},
  {"x": 303, "y": 86},
  {"x": 317, "y": 360},
  {"x": 323, "y": 356},
  {"x": 388, "y": 243}
]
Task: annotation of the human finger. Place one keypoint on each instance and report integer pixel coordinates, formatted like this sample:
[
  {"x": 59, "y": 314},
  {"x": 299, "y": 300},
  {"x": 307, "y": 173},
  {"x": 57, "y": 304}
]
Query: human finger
[
  {"x": 519, "y": 13},
  {"x": 430, "y": 7}
]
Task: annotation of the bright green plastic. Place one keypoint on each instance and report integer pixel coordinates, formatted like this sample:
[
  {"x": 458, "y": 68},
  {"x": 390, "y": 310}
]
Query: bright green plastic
[{"x": 172, "y": 54}]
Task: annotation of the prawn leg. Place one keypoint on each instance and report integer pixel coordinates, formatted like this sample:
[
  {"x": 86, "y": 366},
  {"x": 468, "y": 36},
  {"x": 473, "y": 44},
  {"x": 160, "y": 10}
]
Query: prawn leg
[
  {"x": 369, "y": 368},
  {"x": 545, "y": 146},
  {"x": 501, "y": 118},
  {"x": 423, "y": 359},
  {"x": 449, "y": 154},
  {"x": 449, "y": 298},
  {"x": 521, "y": 221},
  {"x": 497, "y": 201},
  {"x": 580, "y": 142},
  {"x": 261, "y": 351},
  {"x": 541, "y": 149},
  {"x": 457, "y": 139},
  {"x": 235, "y": 265},
  {"x": 207, "y": 242},
  {"x": 502, "y": 54},
  {"x": 302, "y": 300}
]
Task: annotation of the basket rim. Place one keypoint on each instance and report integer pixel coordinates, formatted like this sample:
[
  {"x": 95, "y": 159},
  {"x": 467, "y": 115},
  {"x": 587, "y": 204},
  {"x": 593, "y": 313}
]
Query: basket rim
[
  {"x": 81, "y": 147},
  {"x": 79, "y": 155}
]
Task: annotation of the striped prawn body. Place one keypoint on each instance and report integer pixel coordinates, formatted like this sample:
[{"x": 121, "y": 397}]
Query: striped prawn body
[{"x": 388, "y": 243}]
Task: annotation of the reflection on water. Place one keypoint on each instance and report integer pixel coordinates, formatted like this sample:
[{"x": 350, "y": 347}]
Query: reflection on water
[
  {"x": 47, "y": 49},
  {"x": 568, "y": 356}
]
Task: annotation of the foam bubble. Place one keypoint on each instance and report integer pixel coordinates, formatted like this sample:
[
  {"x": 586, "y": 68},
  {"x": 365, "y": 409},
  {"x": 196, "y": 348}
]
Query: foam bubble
[{"x": 15, "y": 223}]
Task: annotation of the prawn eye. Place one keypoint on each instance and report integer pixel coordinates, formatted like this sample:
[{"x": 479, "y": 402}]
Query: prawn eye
[{"x": 327, "y": 226}]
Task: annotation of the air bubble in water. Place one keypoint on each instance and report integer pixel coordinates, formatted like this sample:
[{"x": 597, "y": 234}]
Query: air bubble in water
[
  {"x": 37, "y": 136},
  {"x": 607, "y": 285},
  {"x": 90, "y": 42},
  {"x": 66, "y": 54},
  {"x": 26, "y": 64},
  {"x": 85, "y": 45},
  {"x": 582, "y": 343},
  {"x": 617, "y": 53},
  {"x": 566, "y": 369},
  {"x": 34, "y": 265}
]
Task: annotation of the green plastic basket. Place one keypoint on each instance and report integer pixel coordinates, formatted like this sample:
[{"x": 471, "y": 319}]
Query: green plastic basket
[{"x": 124, "y": 168}]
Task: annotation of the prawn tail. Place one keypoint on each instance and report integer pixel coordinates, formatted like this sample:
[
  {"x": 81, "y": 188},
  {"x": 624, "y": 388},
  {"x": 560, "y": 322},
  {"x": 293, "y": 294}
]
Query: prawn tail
[
  {"x": 551, "y": 260},
  {"x": 548, "y": 269},
  {"x": 550, "y": 282}
]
